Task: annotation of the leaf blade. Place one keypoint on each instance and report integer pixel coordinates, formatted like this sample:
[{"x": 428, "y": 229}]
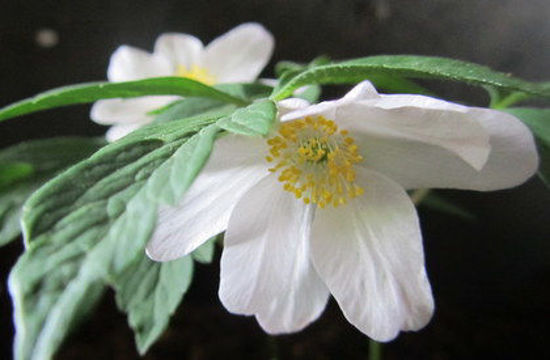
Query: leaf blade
[
  {"x": 150, "y": 293},
  {"x": 256, "y": 119},
  {"x": 84, "y": 228},
  {"x": 411, "y": 67},
  {"x": 90, "y": 92},
  {"x": 37, "y": 162}
]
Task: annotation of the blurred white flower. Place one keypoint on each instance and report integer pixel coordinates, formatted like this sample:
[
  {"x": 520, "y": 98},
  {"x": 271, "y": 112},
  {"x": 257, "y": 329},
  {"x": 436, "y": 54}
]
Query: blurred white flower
[
  {"x": 320, "y": 208},
  {"x": 237, "y": 56}
]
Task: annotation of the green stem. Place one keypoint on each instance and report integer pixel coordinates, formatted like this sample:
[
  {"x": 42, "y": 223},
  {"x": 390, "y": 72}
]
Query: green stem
[
  {"x": 272, "y": 348},
  {"x": 509, "y": 100},
  {"x": 375, "y": 350}
]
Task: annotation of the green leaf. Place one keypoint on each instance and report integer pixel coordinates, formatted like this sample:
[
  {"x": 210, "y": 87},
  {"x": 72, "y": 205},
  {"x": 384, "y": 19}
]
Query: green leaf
[
  {"x": 255, "y": 119},
  {"x": 11, "y": 203},
  {"x": 249, "y": 91},
  {"x": 175, "y": 176},
  {"x": 205, "y": 253},
  {"x": 192, "y": 106},
  {"x": 189, "y": 107},
  {"x": 26, "y": 166},
  {"x": 406, "y": 66},
  {"x": 46, "y": 155},
  {"x": 150, "y": 293},
  {"x": 90, "y": 92},
  {"x": 84, "y": 228},
  {"x": 310, "y": 93},
  {"x": 538, "y": 121},
  {"x": 284, "y": 66},
  {"x": 13, "y": 172}
]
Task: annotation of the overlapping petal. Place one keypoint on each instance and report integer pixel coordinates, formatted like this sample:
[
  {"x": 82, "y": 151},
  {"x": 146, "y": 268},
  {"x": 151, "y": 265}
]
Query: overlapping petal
[
  {"x": 265, "y": 265},
  {"x": 422, "y": 119},
  {"x": 362, "y": 91},
  {"x": 240, "y": 54},
  {"x": 179, "y": 49},
  {"x": 128, "y": 63},
  {"x": 233, "y": 167},
  {"x": 369, "y": 254},
  {"x": 512, "y": 160},
  {"x": 116, "y": 132},
  {"x": 126, "y": 111},
  {"x": 406, "y": 117}
]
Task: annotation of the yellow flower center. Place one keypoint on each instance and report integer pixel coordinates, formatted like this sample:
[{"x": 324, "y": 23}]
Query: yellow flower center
[
  {"x": 315, "y": 161},
  {"x": 196, "y": 73}
]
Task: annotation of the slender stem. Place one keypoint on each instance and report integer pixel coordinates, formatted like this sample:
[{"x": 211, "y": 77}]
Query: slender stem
[
  {"x": 418, "y": 195},
  {"x": 272, "y": 348},
  {"x": 375, "y": 350},
  {"x": 509, "y": 100}
]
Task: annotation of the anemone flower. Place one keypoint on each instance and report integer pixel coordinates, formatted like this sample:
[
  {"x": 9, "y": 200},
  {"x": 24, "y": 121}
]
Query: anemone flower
[
  {"x": 320, "y": 207},
  {"x": 236, "y": 56}
]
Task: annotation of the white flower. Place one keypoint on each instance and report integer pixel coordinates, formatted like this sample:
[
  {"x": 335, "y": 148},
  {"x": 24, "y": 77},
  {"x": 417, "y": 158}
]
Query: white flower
[
  {"x": 237, "y": 56},
  {"x": 320, "y": 208}
]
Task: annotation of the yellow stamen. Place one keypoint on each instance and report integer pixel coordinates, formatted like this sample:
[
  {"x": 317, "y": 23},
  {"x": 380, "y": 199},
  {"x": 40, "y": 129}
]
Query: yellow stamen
[
  {"x": 315, "y": 161},
  {"x": 196, "y": 73}
]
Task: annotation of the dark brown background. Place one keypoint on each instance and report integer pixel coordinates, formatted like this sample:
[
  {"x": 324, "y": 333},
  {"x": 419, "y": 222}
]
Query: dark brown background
[{"x": 490, "y": 277}]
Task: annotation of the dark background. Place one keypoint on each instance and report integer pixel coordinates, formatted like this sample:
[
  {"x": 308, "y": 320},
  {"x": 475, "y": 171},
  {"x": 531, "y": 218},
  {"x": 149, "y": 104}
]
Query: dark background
[{"x": 490, "y": 277}]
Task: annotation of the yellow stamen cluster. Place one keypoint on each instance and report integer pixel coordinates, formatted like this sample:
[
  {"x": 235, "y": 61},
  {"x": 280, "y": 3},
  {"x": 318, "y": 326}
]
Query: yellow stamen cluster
[
  {"x": 196, "y": 73},
  {"x": 315, "y": 161}
]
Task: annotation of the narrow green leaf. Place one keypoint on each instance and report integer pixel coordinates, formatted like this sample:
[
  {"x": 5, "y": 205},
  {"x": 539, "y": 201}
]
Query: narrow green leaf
[
  {"x": 26, "y": 166},
  {"x": 249, "y": 91},
  {"x": 13, "y": 172},
  {"x": 45, "y": 155},
  {"x": 11, "y": 203},
  {"x": 284, "y": 66},
  {"x": 84, "y": 228},
  {"x": 205, "y": 253},
  {"x": 407, "y": 66},
  {"x": 538, "y": 121},
  {"x": 90, "y": 92},
  {"x": 192, "y": 106},
  {"x": 310, "y": 93},
  {"x": 150, "y": 293},
  {"x": 255, "y": 119},
  {"x": 189, "y": 107},
  {"x": 391, "y": 82}
]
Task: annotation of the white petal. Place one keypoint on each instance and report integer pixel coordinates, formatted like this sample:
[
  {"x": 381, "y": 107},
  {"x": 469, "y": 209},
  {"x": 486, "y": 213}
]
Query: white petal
[
  {"x": 179, "y": 49},
  {"x": 265, "y": 266},
  {"x": 240, "y": 54},
  {"x": 128, "y": 63},
  {"x": 362, "y": 91},
  {"x": 420, "y": 118},
  {"x": 291, "y": 104},
  {"x": 512, "y": 160},
  {"x": 235, "y": 164},
  {"x": 128, "y": 111},
  {"x": 116, "y": 132},
  {"x": 369, "y": 254}
]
